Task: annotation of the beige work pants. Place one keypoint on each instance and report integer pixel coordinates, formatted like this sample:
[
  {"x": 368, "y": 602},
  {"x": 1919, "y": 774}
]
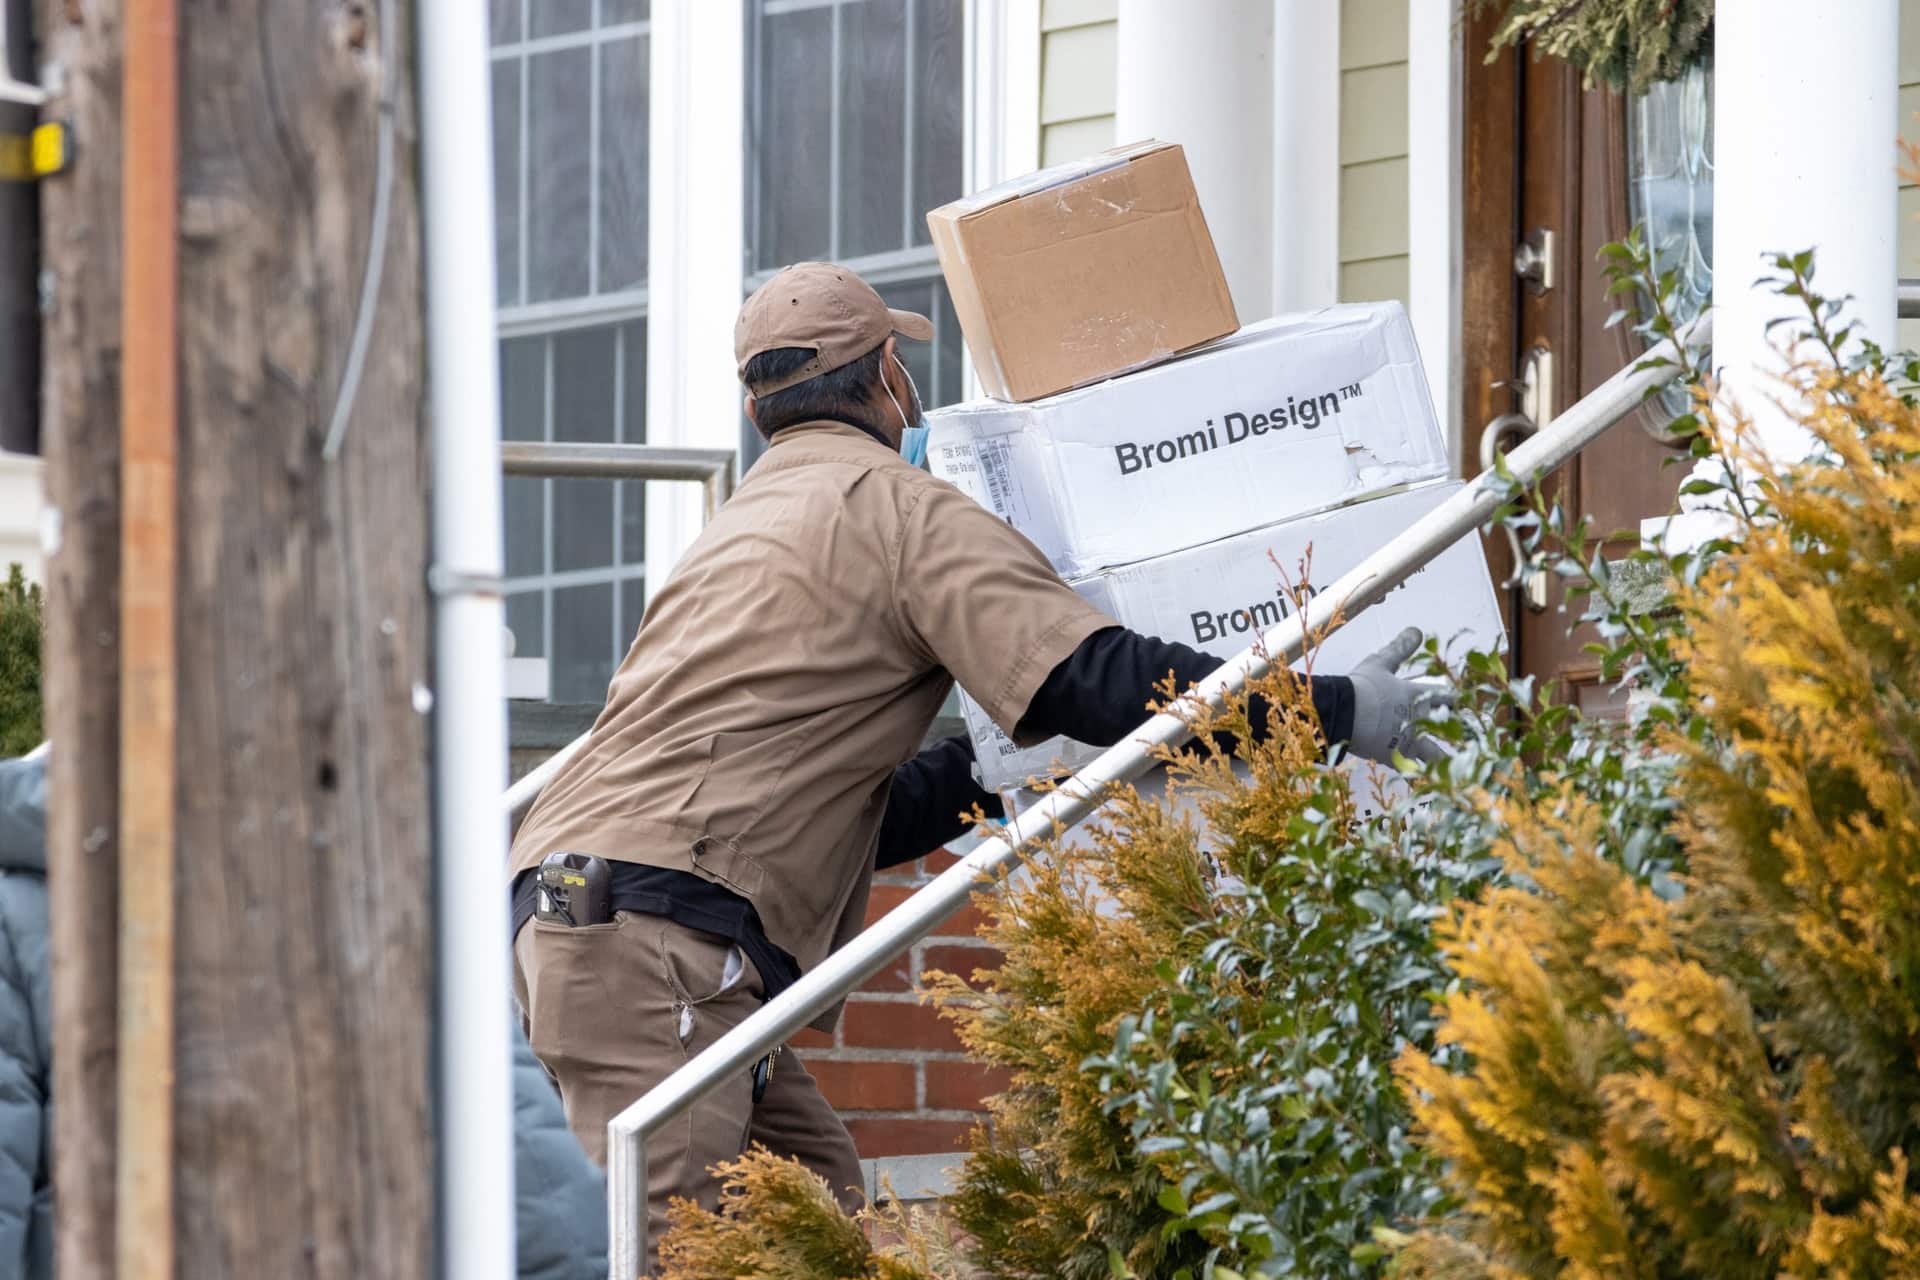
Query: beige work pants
[{"x": 612, "y": 1009}]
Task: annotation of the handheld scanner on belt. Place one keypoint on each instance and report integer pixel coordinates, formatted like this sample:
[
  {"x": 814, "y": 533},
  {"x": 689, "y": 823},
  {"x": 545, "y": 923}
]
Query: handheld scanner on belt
[{"x": 574, "y": 889}]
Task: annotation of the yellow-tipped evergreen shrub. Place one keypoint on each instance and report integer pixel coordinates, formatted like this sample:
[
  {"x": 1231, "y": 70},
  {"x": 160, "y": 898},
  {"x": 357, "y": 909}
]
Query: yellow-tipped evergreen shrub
[
  {"x": 1201, "y": 1013},
  {"x": 779, "y": 1221},
  {"x": 1725, "y": 1083}
]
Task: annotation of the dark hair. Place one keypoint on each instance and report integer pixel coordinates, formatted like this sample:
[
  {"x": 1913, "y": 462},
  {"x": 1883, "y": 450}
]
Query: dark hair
[{"x": 845, "y": 393}]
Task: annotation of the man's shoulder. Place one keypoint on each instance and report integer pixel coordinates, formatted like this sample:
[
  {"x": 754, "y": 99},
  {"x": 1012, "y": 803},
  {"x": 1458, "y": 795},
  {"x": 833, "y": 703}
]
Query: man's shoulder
[{"x": 838, "y": 462}]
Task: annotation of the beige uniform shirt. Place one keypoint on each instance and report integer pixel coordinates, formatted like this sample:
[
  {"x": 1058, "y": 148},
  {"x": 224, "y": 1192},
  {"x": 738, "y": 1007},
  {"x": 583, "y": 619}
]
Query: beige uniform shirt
[{"x": 795, "y": 657}]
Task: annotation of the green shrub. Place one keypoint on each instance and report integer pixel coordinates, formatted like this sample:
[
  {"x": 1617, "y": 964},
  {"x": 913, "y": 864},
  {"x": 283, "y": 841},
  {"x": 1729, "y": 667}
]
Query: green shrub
[
  {"x": 22, "y": 630},
  {"x": 779, "y": 1221},
  {"x": 1722, "y": 1082}
]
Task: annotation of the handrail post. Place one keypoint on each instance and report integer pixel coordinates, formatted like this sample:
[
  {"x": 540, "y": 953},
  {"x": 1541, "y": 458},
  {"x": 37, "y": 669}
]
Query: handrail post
[{"x": 873, "y": 949}]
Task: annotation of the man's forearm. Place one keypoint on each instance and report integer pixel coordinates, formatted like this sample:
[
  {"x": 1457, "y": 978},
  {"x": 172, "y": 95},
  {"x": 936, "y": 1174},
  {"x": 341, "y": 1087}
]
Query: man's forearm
[
  {"x": 930, "y": 794},
  {"x": 1097, "y": 695},
  {"x": 1100, "y": 693}
]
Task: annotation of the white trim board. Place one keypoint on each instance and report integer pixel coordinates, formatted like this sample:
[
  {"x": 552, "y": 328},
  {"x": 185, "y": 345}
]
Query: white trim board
[
  {"x": 1002, "y": 109},
  {"x": 1433, "y": 203},
  {"x": 696, "y": 251}
]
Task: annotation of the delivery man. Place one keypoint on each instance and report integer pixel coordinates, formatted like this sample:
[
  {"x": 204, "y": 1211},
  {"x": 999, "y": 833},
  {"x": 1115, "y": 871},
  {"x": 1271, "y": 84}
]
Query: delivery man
[{"x": 746, "y": 775}]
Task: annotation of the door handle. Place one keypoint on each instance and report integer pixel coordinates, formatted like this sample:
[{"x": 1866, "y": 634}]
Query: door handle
[
  {"x": 1533, "y": 260},
  {"x": 1529, "y": 578}
]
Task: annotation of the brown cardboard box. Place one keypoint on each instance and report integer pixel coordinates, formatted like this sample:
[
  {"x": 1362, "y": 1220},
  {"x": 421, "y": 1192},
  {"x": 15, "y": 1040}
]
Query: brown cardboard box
[{"x": 1082, "y": 271}]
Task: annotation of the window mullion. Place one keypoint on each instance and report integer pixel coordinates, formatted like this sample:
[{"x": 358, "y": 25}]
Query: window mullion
[
  {"x": 521, "y": 161},
  {"x": 833, "y": 139},
  {"x": 546, "y": 524},
  {"x": 593, "y": 164},
  {"x": 910, "y": 108}
]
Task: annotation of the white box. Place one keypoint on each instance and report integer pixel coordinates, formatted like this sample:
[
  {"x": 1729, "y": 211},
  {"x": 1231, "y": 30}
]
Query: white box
[
  {"x": 1218, "y": 597},
  {"x": 1284, "y": 418}
]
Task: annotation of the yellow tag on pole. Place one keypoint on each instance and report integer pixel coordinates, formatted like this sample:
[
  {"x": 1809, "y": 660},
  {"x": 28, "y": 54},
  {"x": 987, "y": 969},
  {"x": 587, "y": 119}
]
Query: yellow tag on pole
[
  {"x": 49, "y": 151},
  {"x": 40, "y": 154}
]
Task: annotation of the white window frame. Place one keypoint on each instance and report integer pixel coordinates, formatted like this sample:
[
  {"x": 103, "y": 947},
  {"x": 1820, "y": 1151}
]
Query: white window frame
[
  {"x": 546, "y": 319},
  {"x": 697, "y": 214}
]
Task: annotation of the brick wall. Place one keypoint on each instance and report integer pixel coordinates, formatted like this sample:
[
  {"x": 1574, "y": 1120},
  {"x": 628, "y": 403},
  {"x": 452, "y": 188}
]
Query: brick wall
[{"x": 893, "y": 1068}]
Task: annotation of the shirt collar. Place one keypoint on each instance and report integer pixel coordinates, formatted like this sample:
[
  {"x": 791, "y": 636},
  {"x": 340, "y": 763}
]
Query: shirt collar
[{"x": 831, "y": 427}]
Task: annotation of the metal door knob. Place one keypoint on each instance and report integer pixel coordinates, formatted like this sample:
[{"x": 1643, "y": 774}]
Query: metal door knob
[{"x": 1533, "y": 260}]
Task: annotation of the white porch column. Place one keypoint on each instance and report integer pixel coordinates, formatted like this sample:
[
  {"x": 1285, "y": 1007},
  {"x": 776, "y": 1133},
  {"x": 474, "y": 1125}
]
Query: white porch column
[
  {"x": 1200, "y": 74},
  {"x": 1805, "y": 113},
  {"x": 695, "y": 250},
  {"x": 1305, "y": 235}
]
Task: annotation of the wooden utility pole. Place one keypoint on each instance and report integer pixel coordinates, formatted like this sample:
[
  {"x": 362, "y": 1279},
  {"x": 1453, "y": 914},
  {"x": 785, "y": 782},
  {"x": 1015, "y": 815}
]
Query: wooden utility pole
[{"x": 301, "y": 996}]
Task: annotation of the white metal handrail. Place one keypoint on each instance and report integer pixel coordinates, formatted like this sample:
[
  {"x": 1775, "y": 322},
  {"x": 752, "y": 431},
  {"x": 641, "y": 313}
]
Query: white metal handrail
[
  {"x": 872, "y": 950},
  {"x": 712, "y": 469}
]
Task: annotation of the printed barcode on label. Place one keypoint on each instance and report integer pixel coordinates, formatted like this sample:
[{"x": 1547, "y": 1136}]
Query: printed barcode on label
[{"x": 996, "y": 465}]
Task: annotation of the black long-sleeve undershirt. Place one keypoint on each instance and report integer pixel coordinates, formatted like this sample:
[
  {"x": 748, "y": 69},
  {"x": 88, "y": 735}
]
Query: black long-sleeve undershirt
[{"x": 1098, "y": 694}]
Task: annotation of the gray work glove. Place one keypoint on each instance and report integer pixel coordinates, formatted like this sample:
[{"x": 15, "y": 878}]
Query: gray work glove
[{"x": 1385, "y": 706}]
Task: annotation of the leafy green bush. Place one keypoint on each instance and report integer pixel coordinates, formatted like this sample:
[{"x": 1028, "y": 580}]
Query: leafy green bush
[
  {"x": 22, "y": 630},
  {"x": 1724, "y": 1082}
]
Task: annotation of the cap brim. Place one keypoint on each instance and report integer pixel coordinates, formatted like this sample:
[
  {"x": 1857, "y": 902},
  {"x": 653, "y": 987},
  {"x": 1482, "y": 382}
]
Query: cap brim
[{"x": 911, "y": 324}]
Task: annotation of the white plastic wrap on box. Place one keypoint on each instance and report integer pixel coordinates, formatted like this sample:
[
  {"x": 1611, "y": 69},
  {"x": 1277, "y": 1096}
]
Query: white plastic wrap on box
[
  {"x": 1220, "y": 596},
  {"x": 1287, "y": 417}
]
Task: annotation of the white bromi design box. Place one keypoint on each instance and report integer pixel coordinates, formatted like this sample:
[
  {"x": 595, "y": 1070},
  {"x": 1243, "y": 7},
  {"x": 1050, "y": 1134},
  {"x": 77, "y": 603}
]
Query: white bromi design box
[
  {"x": 1218, "y": 597},
  {"x": 1284, "y": 418}
]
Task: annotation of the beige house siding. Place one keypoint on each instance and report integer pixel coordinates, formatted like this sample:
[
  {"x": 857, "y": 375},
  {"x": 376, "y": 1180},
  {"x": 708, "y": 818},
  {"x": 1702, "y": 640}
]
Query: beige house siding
[
  {"x": 1909, "y": 233},
  {"x": 1373, "y": 150},
  {"x": 1077, "y": 77}
]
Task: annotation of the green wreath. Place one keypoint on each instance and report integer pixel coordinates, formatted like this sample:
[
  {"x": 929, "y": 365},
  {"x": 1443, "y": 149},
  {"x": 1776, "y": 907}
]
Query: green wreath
[{"x": 1627, "y": 45}]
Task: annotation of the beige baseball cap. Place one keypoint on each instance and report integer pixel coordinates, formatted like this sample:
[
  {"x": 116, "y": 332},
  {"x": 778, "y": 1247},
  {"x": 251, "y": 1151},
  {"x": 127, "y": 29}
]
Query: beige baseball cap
[{"x": 823, "y": 308}]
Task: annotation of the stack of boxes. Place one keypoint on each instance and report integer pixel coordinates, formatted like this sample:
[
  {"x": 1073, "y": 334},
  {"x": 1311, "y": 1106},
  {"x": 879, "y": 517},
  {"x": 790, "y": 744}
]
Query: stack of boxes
[{"x": 1174, "y": 467}]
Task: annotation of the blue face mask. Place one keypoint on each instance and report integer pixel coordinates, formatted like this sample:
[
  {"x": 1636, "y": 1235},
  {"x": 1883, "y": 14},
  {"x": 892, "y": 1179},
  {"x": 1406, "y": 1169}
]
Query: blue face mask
[
  {"x": 913, "y": 435},
  {"x": 913, "y": 446}
]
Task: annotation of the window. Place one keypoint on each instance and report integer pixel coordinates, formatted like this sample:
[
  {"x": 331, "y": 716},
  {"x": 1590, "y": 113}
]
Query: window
[
  {"x": 854, "y": 116},
  {"x": 1670, "y": 189},
  {"x": 570, "y": 103}
]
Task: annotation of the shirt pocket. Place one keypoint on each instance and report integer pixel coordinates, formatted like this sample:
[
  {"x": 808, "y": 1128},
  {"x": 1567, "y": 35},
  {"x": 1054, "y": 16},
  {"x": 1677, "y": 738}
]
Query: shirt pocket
[{"x": 727, "y": 862}]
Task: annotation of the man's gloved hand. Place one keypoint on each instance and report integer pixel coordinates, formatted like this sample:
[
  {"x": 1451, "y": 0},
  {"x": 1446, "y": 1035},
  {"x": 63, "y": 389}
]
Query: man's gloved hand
[{"x": 1386, "y": 706}]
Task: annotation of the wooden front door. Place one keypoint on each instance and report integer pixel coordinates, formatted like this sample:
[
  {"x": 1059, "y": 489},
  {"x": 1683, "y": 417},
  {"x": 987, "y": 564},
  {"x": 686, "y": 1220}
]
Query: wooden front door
[{"x": 1545, "y": 187}]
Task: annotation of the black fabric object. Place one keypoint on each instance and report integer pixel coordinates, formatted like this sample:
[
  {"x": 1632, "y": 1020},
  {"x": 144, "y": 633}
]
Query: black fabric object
[
  {"x": 930, "y": 795},
  {"x": 1100, "y": 693},
  {"x": 688, "y": 901}
]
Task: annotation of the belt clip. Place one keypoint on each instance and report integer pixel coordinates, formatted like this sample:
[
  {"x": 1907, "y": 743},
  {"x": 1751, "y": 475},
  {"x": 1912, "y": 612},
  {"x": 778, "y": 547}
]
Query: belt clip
[{"x": 763, "y": 1074}]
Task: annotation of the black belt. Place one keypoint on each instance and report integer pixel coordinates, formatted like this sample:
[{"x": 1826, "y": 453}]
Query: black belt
[{"x": 688, "y": 901}]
